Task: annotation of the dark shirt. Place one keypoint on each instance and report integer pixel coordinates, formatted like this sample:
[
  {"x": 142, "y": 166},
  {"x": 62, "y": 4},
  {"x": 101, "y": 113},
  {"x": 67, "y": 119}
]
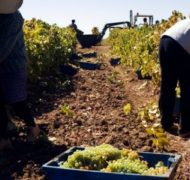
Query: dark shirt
[
  {"x": 12, "y": 49},
  {"x": 74, "y": 26}
]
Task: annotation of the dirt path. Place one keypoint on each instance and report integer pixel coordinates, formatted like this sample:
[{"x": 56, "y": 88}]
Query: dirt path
[{"x": 95, "y": 100}]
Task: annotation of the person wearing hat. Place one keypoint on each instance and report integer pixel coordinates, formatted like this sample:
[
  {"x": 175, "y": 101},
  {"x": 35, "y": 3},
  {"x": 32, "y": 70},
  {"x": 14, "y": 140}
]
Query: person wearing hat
[
  {"x": 174, "y": 55},
  {"x": 13, "y": 75}
]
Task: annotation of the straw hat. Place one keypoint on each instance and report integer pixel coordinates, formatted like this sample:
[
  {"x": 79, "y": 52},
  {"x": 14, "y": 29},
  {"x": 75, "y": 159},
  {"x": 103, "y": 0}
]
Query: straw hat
[{"x": 9, "y": 6}]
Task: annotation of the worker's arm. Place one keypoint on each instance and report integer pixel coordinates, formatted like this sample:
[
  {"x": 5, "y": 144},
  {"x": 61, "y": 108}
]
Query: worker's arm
[{"x": 10, "y": 27}]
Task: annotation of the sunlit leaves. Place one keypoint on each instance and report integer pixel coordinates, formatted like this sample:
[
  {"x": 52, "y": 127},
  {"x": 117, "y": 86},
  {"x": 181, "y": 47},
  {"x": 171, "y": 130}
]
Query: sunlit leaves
[
  {"x": 47, "y": 46},
  {"x": 138, "y": 47},
  {"x": 66, "y": 110},
  {"x": 127, "y": 109}
]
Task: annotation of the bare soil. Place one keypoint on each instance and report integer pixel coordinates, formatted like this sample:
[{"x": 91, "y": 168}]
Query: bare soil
[{"x": 96, "y": 98}]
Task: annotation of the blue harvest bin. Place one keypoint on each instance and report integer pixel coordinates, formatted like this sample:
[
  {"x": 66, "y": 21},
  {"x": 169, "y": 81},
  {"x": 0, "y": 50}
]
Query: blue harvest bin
[
  {"x": 115, "y": 61},
  {"x": 88, "y": 40},
  {"x": 54, "y": 172},
  {"x": 89, "y": 65}
]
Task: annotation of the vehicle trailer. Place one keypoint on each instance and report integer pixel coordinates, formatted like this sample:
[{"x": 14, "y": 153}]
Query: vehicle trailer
[{"x": 88, "y": 40}]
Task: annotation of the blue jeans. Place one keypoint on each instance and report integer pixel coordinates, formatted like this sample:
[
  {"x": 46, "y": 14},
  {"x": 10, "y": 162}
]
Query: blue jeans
[
  {"x": 175, "y": 66},
  {"x": 13, "y": 87}
]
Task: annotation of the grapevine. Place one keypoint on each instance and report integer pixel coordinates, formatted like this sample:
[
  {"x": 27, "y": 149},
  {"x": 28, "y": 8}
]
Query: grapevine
[
  {"x": 47, "y": 46},
  {"x": 138, "y": 47}
]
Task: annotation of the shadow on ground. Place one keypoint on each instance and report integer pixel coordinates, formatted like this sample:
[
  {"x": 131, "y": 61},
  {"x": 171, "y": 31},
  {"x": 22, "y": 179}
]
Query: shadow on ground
[{"x": 32, "y": 154}]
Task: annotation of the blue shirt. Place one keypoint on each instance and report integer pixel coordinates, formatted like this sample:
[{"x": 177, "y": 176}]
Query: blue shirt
[{"x": 12, "y": 49}]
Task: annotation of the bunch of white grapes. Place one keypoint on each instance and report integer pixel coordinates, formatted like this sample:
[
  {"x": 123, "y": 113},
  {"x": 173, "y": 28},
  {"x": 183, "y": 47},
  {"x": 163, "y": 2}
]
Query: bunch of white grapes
[{"x": 107, "y": 158}]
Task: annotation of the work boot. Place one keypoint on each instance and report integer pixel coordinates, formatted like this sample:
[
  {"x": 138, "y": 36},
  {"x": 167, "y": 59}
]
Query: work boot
[
  {"x": 33, "y": 134},
  {"x": 173, "y": 129},
  {"x": 5, "y": 144},
  {"x": 184, "y": 133},
  {"x": 11, "y": 128}
]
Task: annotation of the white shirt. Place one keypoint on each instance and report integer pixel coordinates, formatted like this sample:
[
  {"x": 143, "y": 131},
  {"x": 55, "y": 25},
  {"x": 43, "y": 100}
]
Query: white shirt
[{"x": 181, "y": 33}]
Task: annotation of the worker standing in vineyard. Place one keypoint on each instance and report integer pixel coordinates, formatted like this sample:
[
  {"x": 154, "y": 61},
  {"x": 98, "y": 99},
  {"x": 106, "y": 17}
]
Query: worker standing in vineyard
[
  {"x": 13, "y": 75},
  {"x": 145, "y": 21},
  {"x": 73, "y": 25},
  {"x": 75, "y": 28},
  {"x": 174, "y": 55}
]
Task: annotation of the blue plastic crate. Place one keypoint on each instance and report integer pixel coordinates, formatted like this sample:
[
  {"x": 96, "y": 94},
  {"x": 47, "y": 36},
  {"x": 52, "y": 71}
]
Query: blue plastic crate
[
  {"x": 115, "y": 61},
  {"x": 54, "y": 172},
  {"x": 68, "y": 70},
  {"x": 89, "y": 65},
  {"x": 88, "y": 40}
]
